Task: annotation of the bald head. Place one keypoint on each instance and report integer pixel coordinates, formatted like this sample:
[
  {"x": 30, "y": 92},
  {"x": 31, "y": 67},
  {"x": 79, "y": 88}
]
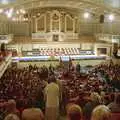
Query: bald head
[{"x": 32, "y": 114}]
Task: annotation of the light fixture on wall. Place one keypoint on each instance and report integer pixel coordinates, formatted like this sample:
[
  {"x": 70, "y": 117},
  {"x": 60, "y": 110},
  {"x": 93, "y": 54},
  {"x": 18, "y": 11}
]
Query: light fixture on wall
[
  {"x": 86, "y": 15},
  {"x": 9, "y": 12},
  {"x": 17, "y": 12},
  {"x": 38, "y": 14},
  {"x": 25, "y": 19},
  {"x": 14, "y": 19},
  {"x": 111, "y": 17},
  {"x": 22, "y": 11},
  {"x": 1, "y": 10}
]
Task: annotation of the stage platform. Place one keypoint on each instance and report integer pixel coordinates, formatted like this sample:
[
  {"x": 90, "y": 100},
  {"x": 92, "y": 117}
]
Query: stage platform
[{"x": 56, "y": 58}]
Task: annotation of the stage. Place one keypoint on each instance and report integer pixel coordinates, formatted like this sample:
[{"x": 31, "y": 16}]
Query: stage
[{"x": 56, "y": 58}]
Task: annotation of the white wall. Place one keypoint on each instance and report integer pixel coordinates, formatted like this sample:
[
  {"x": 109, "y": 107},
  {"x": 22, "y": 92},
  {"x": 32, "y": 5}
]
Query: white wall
[{"x": 24, "y": 29}]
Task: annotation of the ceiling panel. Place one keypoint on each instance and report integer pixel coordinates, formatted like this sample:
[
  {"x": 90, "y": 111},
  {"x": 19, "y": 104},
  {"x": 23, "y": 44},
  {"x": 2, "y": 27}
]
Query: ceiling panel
[{"x": 94, "y": 6}]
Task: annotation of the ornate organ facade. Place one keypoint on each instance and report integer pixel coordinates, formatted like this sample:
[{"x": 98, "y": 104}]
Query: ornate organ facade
[{"x": 55, "y": 25}]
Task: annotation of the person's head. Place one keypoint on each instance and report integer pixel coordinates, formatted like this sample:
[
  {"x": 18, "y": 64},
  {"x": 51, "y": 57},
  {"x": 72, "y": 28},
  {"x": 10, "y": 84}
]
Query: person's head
[
  {"x": 12, "y": 117},
  {"x": 11, "y": 105},
  {"x": 95, "y": 97},
  {"x": 52, "y": 79},
  {"x": 32, "y": 114},
  {"x": 101, "y": 112},
  {"x": 74, "y": 112}
]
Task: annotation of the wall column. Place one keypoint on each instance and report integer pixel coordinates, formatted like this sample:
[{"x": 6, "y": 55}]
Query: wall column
[{"x": 74, "y": 25}]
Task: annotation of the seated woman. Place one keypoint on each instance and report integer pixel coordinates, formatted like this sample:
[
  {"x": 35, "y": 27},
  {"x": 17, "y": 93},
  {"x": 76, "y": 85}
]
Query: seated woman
[
  {"x": 74, "y": 112},
  {"x": 101, "y": 112}
]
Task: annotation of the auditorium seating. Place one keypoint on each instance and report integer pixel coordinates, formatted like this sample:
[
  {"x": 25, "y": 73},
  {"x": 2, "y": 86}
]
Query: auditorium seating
[
  {"x": 77, "y": 87},
  {"x": 57, "y": 52}
]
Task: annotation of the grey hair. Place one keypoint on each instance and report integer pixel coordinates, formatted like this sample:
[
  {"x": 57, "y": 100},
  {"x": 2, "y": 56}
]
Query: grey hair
[{"x": 12, "y": 117}]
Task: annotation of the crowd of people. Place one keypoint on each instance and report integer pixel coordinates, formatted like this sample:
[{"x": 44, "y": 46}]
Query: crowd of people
[
  {"x": 37, "y": 93},
  {"x": 111, "y": 73}
]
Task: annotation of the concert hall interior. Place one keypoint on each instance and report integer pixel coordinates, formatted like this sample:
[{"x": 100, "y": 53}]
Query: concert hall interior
[{"x": 59, "y": 59}]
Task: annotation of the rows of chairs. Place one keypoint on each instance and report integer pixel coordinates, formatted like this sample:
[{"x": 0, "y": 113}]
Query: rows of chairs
[{"x": 57, "y": 52}]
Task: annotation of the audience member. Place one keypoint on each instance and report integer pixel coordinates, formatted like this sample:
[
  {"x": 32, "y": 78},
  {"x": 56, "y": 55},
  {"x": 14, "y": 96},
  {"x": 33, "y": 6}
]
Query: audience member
[
  {"x": 32, "y": 114},
  {"x": 90, "y": 105},
  {"x": 52, "y": 95},
  {"x": 74, "y": 112},
  {"x": 12, "y": 117},
  {"x": 101, "y": 112},
  {"x": 28, "y": 86},
  {"x": 11, "y": 108}
]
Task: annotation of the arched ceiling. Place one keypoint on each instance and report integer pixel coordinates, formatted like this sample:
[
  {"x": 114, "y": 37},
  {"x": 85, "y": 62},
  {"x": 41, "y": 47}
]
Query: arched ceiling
[{"x": 96, "y": 7}]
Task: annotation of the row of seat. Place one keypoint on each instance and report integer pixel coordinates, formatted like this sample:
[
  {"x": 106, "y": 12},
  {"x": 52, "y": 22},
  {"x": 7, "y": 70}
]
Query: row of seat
[{"x": 57, "y": 52}]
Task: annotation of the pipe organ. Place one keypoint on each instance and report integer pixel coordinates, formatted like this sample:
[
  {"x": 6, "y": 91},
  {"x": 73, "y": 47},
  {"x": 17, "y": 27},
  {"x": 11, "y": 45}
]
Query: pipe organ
[
  {"x": 55, "y": 26},
  {"x": 56, "y": 21}
]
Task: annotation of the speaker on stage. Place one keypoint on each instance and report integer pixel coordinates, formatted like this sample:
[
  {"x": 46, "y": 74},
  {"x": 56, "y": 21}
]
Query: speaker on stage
[{"x": 102, "y": 18}]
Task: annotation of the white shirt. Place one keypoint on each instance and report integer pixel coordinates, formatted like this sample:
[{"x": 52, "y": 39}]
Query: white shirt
[{"x": 52, "y": 95}]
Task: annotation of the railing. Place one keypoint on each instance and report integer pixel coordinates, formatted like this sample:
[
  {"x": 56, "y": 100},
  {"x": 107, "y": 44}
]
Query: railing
[
  {"x": 6, "y": 38},
  {"x": 108, "y": 38},
  {"x": 5, "y": 63},
  {"x": 50, "y": 36}
]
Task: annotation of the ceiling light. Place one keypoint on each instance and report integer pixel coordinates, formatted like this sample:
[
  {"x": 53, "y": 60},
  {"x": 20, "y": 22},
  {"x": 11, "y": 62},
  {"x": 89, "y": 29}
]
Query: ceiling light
[
  {"x": 111, "y": 17},
  {"x": 1, "y": 10},
  {"x": 24, "y": 19},
  {"x": 38, "y": 14},
  {"x": 17, "y": 12},
  {"x": 11, "y": 10},
  {"x": 9, "y": 13},
  {"x": 86, "y": 15},
  {"x": 22, "y": 11}
]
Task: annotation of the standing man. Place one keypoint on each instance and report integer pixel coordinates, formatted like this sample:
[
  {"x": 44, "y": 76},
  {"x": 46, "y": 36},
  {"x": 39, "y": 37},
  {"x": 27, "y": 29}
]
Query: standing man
[
  {"x": 52, "y": 95},
  {"x": 78, "y": 68}
]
